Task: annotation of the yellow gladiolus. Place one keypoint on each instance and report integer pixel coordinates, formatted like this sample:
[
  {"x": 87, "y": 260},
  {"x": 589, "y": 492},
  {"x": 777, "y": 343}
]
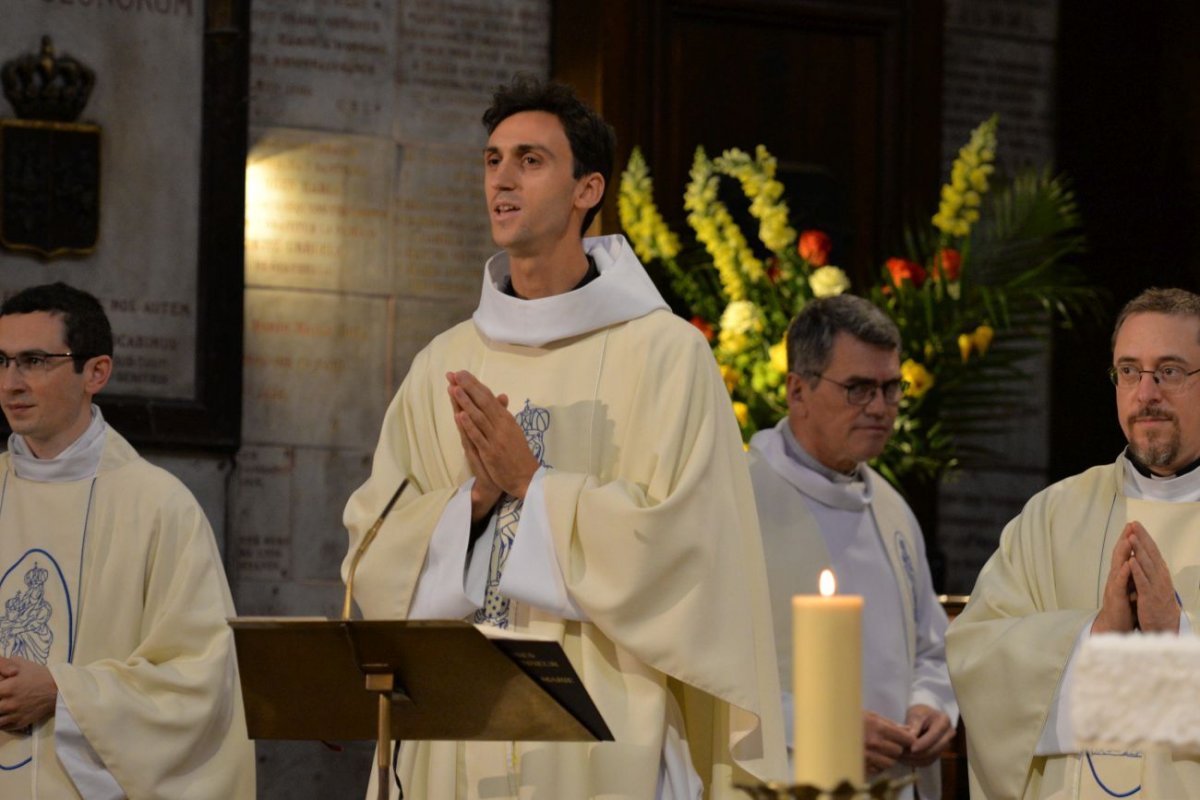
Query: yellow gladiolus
[
  {"x": 742, "y": 412},
  {"x": 982, "y": 338},
  {"x": 919, "y": 379},
  {"x": 965, "y": 343},
  {"x": 647, "y": 231},
  {"x": 961, "y": 197}
]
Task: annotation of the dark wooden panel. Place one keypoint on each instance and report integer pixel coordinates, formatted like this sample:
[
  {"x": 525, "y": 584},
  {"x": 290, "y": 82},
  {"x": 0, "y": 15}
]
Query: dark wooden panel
[
  {"x": 846, "y": 95},
  {"x": 1128, "y": 137}
]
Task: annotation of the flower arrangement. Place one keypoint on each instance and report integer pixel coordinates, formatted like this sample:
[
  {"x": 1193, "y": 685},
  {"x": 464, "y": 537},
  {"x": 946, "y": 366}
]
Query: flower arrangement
[{"x": 976, "y": 283}]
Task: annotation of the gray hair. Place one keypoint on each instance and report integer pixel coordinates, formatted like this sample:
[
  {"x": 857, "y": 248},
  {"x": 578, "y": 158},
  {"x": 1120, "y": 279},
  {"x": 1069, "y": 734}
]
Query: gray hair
[
  {"x": 1173, "y": 302},
  {"x": 811, "y": 334}
]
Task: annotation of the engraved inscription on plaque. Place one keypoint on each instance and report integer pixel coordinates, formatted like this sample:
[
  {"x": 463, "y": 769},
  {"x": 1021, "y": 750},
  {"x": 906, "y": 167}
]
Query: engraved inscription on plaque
[
  {"x": 454, "y": 55},
  {"x": 442, "y": 235},
  {"x": 153, "y": 341},
  {"x": 325, "y": 64},
  {"x": 1015, "y": 79},
  {"x": 316, "y": 368},
  {"x": 262, "y": 521},
  {"x": 317, "y": 211}
]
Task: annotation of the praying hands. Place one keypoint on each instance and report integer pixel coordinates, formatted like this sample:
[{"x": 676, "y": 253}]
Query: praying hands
[
  {"x": 1138, "y": 594},
  {"x": 493, "y": 442}
]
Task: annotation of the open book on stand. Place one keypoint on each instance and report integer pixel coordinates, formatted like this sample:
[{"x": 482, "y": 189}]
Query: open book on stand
[{"x": 304, "y": 678}]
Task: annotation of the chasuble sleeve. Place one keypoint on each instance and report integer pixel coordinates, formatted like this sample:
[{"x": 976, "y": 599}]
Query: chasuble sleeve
[
  {"x": 661, "y": 551},
  {"x": 409, "y": 446},
  {"x": 166, "y": 718},
  {"x": 1009, "y": 647}
]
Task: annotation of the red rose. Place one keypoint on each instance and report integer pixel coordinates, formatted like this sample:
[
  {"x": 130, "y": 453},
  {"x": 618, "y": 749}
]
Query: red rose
[
  {"x": 947, "y": 264},
  {"x": 773, "y": 270},
  {"x": 814, "y": 247},
  {"x": 704, "y": 328},
  {"x": 902, "y": 269}
]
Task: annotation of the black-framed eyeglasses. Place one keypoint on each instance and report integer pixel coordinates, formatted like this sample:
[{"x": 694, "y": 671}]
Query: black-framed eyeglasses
[
  {"x": 1168, "y": 377},
  {"x": 34, "y": 361},
  {"x": 861, "y": 393}
]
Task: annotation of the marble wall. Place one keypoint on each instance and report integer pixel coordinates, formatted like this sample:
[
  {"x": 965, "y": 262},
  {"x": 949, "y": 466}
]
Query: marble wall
[{"x": 365, "y": 236}]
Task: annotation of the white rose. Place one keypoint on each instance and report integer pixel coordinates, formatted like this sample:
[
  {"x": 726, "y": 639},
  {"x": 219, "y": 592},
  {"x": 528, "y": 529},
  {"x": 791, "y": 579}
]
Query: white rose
[
  {"x": 740, "y": 317},
  {"x": 828, "y": 282}
]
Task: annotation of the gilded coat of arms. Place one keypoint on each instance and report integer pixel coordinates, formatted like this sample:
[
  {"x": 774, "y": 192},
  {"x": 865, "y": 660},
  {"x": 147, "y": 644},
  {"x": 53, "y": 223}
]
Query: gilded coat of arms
[{"x": 49, "y": 162}]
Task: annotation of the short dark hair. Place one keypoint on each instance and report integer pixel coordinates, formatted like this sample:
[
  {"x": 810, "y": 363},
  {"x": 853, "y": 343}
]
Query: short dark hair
[
  {"x": 592, "y": 139},
  {"x": 1173, "y": 302},
  {"x": 811, "y": 334},
  {"x": 89, "y": 333}
]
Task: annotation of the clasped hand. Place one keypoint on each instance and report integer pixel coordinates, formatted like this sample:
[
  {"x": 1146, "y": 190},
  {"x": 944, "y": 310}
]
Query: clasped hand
[
  {"x": 494, "y": 444},
  {"x": 1138, "y": 594},
  {"x": 28, "y": 693},
  {"x": 918, "y": 742}
]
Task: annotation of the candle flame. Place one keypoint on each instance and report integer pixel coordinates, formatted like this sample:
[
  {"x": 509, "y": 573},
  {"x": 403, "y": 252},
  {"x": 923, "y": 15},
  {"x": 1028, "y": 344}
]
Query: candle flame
[{"x": 827, "y": 583}]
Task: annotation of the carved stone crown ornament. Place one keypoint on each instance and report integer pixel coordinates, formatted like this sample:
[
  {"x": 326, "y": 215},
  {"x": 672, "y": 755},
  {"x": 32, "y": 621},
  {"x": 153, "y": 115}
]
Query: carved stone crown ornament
[
  {"x": 41, "y": 86},
  {"x": 49, "y": 163}
]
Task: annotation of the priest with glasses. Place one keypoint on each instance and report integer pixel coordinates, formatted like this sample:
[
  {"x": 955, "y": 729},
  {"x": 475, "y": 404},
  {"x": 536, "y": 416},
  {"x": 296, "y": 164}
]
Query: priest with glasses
[{"x": 821, "y": 506}]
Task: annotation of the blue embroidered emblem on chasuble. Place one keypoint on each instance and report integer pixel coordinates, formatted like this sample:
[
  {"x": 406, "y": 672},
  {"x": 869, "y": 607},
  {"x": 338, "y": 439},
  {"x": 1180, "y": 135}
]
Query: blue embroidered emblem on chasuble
[
  {"x": 909, "y": 570},
  {"x": 38, "y": 618},
  {"x": 534, "y": 421}
]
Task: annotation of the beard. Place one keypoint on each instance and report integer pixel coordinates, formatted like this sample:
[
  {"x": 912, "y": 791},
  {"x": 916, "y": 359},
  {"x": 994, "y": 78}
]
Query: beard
[{"x": 1159, "y": 448}]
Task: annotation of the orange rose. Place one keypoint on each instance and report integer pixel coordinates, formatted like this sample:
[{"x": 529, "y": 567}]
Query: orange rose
[
  {"x": 814, "y": 247},
  {"x": 704, "y": 328},
  {"x": 947, "y": 264},
  {"x": 902, "y": 269}
]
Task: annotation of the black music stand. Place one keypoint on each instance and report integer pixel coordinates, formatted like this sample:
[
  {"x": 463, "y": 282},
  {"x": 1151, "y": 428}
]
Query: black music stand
[{"x": 306, "y": 678}]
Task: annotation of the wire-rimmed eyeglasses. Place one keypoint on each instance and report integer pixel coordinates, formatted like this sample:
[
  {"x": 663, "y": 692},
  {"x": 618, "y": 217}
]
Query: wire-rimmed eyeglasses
[
  {"x": 34, "y": 361},
  {"x": 861, "y": 393},
  {"x": 1168, "y": 377}
]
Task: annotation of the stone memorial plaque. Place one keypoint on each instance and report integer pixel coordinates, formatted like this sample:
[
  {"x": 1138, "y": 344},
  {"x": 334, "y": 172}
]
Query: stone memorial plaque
[
  {"x": 262, "y": 520},
  {"x": 419, "y": 320},
  {"x": 316, "y": 368},
  {"x": 442, "y": 236},
  {"x": 1022, "y": 19},
  {"x": 288, "y": 598},
  {"x": 985, "y": 75},
  {"x": 153, "y": 341},
  {"x": 147, "y": 101},
  {"x": 453, "y": 56},
  {"x": 974, "y": 508},
  {"x": 322, "y": 482},
  {"x": 1019, "y": 439},
  {"x": 317, "y": 211},
  {"x": 324, "y": 64}
]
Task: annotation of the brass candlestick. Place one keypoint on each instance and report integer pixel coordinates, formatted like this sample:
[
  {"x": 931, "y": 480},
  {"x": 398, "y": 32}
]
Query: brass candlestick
[{"x": 883, "y": 789}]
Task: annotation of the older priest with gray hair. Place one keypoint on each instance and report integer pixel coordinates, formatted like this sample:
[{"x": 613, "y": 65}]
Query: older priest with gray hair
[
  {"x": 820, "y": 505},
  {"x": 117, "y": 672}
]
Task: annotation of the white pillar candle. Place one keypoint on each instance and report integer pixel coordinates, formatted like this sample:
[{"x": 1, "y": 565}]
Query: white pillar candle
[{"x": 827, "y": 687}]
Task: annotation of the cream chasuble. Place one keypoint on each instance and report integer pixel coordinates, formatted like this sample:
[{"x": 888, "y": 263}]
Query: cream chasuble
[
  {"x": 1010, "y": 647},
  {"x": 113, "y": 580},
  {"x": 651, "y": 516}
]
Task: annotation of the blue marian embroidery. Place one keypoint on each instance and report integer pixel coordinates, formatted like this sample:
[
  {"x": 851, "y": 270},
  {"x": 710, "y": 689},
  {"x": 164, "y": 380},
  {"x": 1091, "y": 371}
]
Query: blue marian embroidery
[
  {"x": 25, "y": 628},
  {"x": 534, "y": 421}
]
